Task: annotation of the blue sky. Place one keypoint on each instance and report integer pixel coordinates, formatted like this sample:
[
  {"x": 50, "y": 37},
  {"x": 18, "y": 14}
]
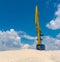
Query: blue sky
[{"x": 20, "y": 16}]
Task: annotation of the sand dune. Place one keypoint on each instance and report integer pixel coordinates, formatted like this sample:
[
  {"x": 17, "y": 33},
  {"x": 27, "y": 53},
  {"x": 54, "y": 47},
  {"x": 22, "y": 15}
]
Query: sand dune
[{"x": 29, "y": 55}]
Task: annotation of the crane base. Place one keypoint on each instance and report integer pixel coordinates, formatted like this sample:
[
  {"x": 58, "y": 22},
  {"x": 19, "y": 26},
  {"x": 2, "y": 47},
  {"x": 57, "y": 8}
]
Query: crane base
[{"x": 40, "y": 47}]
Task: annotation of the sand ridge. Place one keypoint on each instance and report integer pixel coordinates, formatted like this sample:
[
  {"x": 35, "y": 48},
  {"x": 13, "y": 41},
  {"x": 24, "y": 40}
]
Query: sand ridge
[{"x": 29, "y": 55}]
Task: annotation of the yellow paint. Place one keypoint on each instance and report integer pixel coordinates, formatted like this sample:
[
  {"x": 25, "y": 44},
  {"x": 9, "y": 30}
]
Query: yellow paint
[{"x": 37, "y": 25}]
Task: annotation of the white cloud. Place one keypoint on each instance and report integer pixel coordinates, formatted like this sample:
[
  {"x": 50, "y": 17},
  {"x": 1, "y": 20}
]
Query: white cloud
[
  {"x": 26, "y": 46},
  {"x": 51, "y": 43},
  {"x": 55, "y": 23},
  {"x": 29, "y": 37},
  {"x": 10, "y": 39},
  {"x": 25, "y": 35}
]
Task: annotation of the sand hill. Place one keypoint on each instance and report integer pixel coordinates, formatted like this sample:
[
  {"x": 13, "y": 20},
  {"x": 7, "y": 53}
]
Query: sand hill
[{"x": 29, "y": 55}]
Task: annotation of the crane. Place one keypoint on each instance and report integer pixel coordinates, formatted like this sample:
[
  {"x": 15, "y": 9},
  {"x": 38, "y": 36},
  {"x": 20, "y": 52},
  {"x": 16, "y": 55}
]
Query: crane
[{"x": 39, "y": 45}]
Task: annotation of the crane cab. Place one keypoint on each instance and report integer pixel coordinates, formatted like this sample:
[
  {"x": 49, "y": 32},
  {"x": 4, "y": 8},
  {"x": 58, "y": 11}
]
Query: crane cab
[{"x": 40, "y": 47}]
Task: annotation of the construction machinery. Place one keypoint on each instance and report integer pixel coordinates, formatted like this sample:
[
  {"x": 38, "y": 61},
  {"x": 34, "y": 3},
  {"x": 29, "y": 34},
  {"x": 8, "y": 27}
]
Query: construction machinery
[{"x": 39, "y": 45}]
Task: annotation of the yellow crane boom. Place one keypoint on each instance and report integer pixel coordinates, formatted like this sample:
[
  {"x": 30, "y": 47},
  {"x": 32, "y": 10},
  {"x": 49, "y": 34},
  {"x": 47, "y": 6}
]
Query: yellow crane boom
[{"x": 38, "y": 29}]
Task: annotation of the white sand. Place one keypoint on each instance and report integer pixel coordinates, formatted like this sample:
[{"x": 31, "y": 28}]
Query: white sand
[{"x": 28, "y": 55}]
